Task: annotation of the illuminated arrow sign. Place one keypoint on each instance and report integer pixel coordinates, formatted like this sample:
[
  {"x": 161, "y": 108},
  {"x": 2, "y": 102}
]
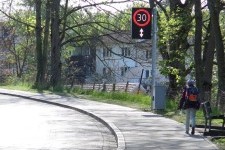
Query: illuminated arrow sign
[
  {"x": 141, "y": 33},
  {"x": 141, "y": 23}
]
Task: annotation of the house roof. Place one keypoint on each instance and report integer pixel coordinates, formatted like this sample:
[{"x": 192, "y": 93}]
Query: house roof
[{"x": 122, "y": 37}]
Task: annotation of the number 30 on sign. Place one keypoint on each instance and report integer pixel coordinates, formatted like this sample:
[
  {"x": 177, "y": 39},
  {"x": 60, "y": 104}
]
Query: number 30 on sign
[{"x": 141, "y": 23}]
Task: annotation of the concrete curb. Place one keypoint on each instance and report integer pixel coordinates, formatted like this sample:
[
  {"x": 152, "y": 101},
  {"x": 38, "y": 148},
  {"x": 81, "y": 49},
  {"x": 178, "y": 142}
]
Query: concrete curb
[{"x": 114, "y": 130}]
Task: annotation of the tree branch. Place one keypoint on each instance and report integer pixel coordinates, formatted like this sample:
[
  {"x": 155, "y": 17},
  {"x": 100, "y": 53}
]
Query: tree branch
[{"x": 17, "y": 20}]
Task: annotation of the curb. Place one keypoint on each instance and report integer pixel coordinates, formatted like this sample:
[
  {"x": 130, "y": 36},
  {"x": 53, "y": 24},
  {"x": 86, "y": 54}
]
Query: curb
[{"x": 114, "y": 130}]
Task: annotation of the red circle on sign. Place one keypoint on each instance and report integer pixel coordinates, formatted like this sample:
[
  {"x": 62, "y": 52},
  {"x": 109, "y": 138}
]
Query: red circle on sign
[{"x": 141, "y": 24}]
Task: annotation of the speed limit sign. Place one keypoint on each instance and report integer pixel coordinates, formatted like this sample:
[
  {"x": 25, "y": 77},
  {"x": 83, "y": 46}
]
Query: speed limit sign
[{"x": 141, "y": 23}]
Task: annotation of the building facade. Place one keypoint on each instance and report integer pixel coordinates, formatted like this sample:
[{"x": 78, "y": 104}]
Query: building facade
[{"x": 118, "y": 58}]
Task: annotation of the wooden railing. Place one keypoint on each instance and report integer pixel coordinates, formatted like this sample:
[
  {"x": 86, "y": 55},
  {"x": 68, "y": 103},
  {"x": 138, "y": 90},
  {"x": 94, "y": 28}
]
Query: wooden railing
[{"x": 122, "y": 87}]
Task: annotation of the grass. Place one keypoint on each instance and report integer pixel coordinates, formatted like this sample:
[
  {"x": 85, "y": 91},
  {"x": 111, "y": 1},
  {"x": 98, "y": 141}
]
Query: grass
[
  {"x": 220, "y": 142},
  {"x": 138, "y": 101},
  {"x": 19, "y": 86}
]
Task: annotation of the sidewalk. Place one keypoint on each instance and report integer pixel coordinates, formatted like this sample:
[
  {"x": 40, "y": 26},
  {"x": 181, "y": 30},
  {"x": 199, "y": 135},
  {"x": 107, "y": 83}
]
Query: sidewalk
[{"x": 134, "y": 129}]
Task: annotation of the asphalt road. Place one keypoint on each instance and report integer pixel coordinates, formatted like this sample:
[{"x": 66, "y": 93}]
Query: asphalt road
[{"x": 30, "y": 125}]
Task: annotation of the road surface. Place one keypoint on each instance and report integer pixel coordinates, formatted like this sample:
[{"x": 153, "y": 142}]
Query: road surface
[{"x": 30, "y": 125}]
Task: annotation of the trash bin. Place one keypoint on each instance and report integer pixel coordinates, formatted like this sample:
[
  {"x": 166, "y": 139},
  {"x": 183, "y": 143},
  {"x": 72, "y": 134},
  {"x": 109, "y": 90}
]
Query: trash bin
[{"x": 159, "y": 97}]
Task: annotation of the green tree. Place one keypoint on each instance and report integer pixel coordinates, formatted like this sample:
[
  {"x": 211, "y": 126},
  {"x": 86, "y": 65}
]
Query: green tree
[
  {"x": 22, "y": 41},
  {"x": 215, "y": 7},
  {"x": 175, "y": 24}
]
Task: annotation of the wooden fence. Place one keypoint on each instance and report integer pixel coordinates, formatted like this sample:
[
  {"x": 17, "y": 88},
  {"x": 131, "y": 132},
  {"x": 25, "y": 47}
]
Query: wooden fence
[{"x": 122, "y": 87}]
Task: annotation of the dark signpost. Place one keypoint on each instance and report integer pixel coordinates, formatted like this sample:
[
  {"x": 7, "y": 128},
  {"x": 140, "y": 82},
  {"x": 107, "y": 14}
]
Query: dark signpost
[{"x": 141, "y": 23}]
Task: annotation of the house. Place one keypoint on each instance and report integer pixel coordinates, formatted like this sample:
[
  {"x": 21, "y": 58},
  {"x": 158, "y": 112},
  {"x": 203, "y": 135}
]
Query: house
[{"x": 118, "y": 58}]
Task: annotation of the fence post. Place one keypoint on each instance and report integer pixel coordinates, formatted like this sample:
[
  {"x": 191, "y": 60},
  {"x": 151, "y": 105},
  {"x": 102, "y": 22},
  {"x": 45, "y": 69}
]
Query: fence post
[
  {"x": 93, "y": 86},
  {"x": 99, "y": 87},
  {"x": 127, "y": 86},
  {"x": 114, "y": 87},
  {"x": 139, "y": 86},
  {"x": 104, "y": 87}
]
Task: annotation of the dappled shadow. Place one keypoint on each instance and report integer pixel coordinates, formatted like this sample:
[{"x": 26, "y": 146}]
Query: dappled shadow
[
  {"x": 150, "y": 116},
  {"x": 216, "y": 131}
]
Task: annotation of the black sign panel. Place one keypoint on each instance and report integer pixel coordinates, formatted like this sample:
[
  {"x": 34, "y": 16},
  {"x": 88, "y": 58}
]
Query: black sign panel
[{"x": 141, "y": 23}]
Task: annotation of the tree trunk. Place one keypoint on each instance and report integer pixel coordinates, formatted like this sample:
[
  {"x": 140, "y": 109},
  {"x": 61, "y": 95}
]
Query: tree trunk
[
  {"x": 55, "y": 45},
  {"x": 214, "y": 16},
  {"x": 198, "y": 46},
  {"x": 38, "y": 31},
  {"x": 45, "y": 41},
  {"x": 208, "y": 57}
]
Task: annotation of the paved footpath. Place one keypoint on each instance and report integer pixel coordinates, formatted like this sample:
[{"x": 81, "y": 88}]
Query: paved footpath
[{"x": 133, "y": 129}]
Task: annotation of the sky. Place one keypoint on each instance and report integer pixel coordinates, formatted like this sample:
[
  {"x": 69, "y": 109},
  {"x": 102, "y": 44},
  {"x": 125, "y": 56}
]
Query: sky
[
  {"x": 120, "y": 6},
  {"x": 5, "y": 3}
]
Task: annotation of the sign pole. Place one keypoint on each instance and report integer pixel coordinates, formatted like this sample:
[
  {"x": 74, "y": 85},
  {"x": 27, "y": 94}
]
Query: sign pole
[
  {"x": 154, "y": 56},
  {"x": 158, "y": 91},
  {"x": 154, "y": 46}
]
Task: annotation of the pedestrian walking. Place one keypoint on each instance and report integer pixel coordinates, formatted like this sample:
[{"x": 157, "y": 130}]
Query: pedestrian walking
[{"x": 190, "y": 103}]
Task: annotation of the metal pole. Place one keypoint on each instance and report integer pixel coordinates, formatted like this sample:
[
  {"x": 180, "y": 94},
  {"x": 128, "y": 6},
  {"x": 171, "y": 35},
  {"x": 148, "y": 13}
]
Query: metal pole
[
  {"x": 154, "y": 47},
  {"x": 154, "y": 54}
]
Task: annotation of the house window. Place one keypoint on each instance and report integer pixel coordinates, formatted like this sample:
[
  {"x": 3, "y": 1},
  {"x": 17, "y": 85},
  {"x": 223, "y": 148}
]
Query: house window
[
  {"x": 146, "y": 73},
  {"x": 124, "y": 70},
  {"x": 125, "y": 51},
  {"x": 107, "y": 52}
]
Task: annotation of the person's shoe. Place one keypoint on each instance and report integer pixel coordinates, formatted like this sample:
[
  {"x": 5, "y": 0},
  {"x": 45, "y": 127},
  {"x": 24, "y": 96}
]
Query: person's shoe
[
  {"x": 187, "y": 132},
  {"x": 193, "y": 131}
]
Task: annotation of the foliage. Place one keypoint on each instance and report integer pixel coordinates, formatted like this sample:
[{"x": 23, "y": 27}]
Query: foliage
[
  {"x": 21, "y": 52},
  {"x": 171, "y": 34},
  {"x": 77, "y": 69}
]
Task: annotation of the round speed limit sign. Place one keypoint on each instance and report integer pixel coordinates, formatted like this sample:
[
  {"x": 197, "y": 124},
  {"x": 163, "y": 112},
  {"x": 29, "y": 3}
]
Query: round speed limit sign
[{"x": 141, "y": 17}]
